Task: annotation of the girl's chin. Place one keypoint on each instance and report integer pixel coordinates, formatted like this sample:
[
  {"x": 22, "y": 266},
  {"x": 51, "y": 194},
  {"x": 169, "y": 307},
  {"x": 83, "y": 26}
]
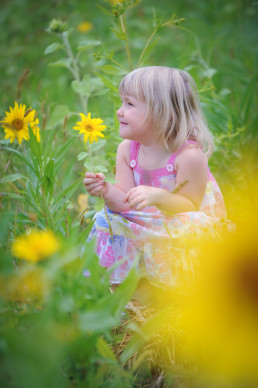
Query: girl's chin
[{"x": 123, "y": 134}]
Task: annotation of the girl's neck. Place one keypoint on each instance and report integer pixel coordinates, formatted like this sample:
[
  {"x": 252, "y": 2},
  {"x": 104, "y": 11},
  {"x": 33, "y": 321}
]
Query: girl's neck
[
  {"x": 155, "y": 148},
  {"x": 153, "y": 156}
]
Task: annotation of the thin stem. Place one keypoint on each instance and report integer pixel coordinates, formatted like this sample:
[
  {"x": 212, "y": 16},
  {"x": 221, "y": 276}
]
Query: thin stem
[
  {"x": 74, "y": 70},
  {"x": 146, "y": 46},
  {"x": 123, "y": 27},
  {"x": 119, "y": 65},
  {"x": 100, "y": 194},
  {"x": 76, "y": 74}
]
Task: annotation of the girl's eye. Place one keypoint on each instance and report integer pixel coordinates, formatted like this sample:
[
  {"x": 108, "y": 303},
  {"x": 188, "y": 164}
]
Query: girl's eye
[{"x": 129, "y": 103}]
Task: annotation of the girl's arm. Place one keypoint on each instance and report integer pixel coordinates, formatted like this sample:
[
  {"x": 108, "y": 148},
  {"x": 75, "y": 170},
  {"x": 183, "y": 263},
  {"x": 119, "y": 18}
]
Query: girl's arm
[
  {"x": 113, "y": 195},
  {"x": 191, "y": 165}
]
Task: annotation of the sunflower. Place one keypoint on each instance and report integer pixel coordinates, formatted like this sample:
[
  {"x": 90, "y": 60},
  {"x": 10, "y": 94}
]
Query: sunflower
[
  {"x": 90, "y": 128},
  {"x": 16, "y": 123},
  {"x": 36, "y": 246}
]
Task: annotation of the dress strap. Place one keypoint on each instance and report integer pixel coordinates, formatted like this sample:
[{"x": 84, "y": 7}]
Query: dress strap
[
  {"x": 175, "y": 154},
  {"x": 134, "y": 150}
]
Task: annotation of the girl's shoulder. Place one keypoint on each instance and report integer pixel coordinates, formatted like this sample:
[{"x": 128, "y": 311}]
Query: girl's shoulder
[
  {"x": 123, "y": 150},
  {"x": 191, "y": 155}
]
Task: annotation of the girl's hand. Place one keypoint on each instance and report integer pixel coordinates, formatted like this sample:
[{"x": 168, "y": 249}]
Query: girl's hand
[
  {"x": 142, "y": 196},
  {"x": 94, "y": 183}
]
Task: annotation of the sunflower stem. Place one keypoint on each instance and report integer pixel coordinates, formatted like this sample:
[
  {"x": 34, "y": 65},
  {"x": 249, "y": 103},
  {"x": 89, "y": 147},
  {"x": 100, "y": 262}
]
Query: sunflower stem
[
  {"x": 76, "y": 73},
  {"x": 100, "y": 194}
]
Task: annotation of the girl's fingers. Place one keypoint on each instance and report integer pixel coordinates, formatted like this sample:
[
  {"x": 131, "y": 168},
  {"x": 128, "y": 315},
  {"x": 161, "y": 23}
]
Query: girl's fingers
[
  {"x": 88, "y": 180},
  {"x": 100, "y": 176},
  {"x": 89, "y": 174},
  {"x": 129, "y": 193},
  {"x": 94, "y": 187},
  {"x": 135, "y": 202}
]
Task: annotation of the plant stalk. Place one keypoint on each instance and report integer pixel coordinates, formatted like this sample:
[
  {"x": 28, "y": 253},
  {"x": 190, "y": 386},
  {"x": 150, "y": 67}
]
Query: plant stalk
[
  {"x": 123, "y": 27},
  {"x": 100, "y": 194},
  {"x": 146, "y": 46}
]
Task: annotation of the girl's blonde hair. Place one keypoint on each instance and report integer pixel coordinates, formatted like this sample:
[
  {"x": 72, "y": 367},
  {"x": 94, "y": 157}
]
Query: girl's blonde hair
[{"x": 173, "y": 105}]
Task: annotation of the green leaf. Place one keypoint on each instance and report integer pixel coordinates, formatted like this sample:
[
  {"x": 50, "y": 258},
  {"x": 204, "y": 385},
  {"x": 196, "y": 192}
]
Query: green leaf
[
  {"x": 34, "y": 148},
  {"x": 247, "y": 98},
  {"x": 87, "y": 164},
  {"x": 82, "y": 155},
  {"x": 84, "y": 45},
  {"x": 209, "y": 73},
  {"x": 52, "y": 47},
  {"x": 25, "y": 160},
  {"x": 58, "y": 115},
  {"x": 5, "y": 141},
  {"x": 119, "y": 33},
  {"x": 65, "y": 62},
  {"x": 12, "y": 177},
  {"x": 99, "y": 206},
  {"x": 104, "y": 350},
  {"x": 113, "y": 70},
  {"x": 89, "y": 86},
  {"x": 101, "y": 169},
  {"x": 89, "y": 214},
  {"x": 66, "y": 193},
  {"x": 111, "y": 85},
  {"x": 85, "y": 233},
  {"x": 48, "y": 144},
  {"x": 147, "y": 331},
  {"x": 111, "y": 180},
  {"x": 97, "y": 146},
  {"x": 49, "y": 175},
  {"x": 10, "y": 195},
  {"x": 148, "y": 50},
  {"x": 61, "y": 154},
  {"x": 96, "y": 320}
]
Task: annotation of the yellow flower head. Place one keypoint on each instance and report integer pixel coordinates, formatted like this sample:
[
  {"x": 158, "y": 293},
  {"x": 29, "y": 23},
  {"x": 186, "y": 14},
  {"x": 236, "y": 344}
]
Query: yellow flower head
[
  {"x": 36, "y": 246},
  {"x": 83, "y": 201},
  {"x": 219, "y": 307},
  {"x": 84, "y": 27},
  {"x": 25, "y": 285},
  {"x": 16, "y": 123},
  {"x": 90, "y": 128}
]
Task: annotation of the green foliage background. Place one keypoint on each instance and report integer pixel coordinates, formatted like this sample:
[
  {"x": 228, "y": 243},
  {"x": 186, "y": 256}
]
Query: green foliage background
[{"x": 216, "y": 42}]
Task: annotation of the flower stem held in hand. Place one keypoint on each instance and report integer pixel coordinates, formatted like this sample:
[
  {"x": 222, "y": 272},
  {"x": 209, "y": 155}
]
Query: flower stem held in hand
[
  {"x": 92, "y": 129},
  {"x": 100, "y": 194}
]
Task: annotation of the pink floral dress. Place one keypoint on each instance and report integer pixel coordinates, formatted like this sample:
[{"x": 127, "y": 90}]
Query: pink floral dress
[{"x": 156, "y": 239}]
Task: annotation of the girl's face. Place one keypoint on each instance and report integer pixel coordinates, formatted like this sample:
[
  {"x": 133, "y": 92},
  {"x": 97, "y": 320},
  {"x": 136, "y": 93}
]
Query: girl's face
[{"x": 132, "y": 117}]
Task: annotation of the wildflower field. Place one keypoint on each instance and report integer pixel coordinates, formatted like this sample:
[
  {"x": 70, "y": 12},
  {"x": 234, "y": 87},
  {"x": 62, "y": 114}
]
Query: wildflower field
[{"x": 60, "y": 323}]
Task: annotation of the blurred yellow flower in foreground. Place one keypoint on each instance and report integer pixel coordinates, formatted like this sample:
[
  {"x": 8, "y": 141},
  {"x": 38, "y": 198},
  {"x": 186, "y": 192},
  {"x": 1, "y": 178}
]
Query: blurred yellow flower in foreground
[
  {"x": 218, "y": 317},
  {"x": 90, "y": 128},
  {"x": 16, "y": 123},
  {"x": 84, "y": 27},
  {"x": 25, "y": 286},
  {"x": 83, "y": 202},
  {"x": 36, "y": 246}
]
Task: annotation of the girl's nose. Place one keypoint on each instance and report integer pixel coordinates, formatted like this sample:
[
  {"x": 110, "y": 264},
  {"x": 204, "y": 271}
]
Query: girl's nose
[{"x": 119, "y": 112}]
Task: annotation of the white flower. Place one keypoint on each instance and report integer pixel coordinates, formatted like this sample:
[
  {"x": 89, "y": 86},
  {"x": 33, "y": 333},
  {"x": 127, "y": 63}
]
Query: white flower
[
  {"x": 170, "y": 167},
  {"x": 133, "y": 163}
]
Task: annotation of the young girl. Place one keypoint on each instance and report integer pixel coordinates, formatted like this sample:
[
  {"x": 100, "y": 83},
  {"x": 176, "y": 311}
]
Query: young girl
[{"x": 164, "y": 191}]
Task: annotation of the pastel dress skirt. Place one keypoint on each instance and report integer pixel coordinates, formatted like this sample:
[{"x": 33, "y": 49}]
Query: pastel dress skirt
[{"x": 156, "y": 239}]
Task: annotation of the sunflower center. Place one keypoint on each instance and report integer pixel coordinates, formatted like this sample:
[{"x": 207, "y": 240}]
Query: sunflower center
[
  {"x": 17, "y": 124},
  {"x": 89, "y": 128}
]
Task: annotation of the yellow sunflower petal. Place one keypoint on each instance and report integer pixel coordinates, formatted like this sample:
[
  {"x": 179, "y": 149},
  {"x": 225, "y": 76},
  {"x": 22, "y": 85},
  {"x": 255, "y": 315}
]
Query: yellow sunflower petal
[
  {"x": 16, "y": 123},
  {"x": 90, "y": 127}
]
